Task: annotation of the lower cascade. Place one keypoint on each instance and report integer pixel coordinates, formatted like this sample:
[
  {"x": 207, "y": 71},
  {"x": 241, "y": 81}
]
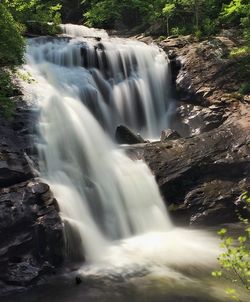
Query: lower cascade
[{"x": 111, "y": 206}]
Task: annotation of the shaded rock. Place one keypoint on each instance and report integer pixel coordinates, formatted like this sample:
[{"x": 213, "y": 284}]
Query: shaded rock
[
  {"x": 202, "y": 177},
  {"x": 169, "y": 134},
  {"x": 124, "y": 135},
  {"x": 78, "y": 280},
  {"x": 31, "y": 233},
  {"x": 14, "y": 168}
]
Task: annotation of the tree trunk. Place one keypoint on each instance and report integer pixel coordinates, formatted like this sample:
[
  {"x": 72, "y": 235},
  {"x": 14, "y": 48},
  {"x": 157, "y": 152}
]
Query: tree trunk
[
  {"x": 168, "y": 27},
  {"x": 196, "y": 4}
]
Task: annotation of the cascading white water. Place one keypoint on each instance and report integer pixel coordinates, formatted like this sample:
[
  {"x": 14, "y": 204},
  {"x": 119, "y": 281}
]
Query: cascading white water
[
  {"x": 101, "y": 192},
  {"x": 111, "y": 202},
  {"x": 122, "y": 82}
]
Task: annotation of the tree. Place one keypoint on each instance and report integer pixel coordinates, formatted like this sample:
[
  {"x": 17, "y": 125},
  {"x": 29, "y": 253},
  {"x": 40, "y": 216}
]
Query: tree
[
  {"x": 38, "y": 11},
  {"x": 168, "y": 12}
]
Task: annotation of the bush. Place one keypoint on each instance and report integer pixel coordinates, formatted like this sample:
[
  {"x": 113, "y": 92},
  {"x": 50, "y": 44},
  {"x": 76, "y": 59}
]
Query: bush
[
  {"x": 177, "y": 31},
  {"x": 198, "y": 34}
]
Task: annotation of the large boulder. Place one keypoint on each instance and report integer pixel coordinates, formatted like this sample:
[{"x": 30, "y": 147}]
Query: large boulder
[
  {"x": 31, "y": 235},
  {"x": 203, "y": 176},
  {"x": 124, "y": 135}
]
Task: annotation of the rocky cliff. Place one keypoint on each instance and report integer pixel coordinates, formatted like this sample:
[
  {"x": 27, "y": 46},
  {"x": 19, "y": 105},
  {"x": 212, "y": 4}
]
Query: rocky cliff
[{"x": 202, "y": 175}]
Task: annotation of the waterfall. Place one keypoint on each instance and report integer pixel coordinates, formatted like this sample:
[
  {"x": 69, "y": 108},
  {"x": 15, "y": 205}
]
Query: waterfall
[
  {"x": 120, "y": 81},
  {"x": 110, "y": 205},
  {"x": 85, "y": 89}
]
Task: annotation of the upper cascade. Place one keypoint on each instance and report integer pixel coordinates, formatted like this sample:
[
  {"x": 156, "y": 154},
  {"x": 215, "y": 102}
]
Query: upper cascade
[
  {"x": 127, "y": 82},
  {"x": 74, "y": 30}
]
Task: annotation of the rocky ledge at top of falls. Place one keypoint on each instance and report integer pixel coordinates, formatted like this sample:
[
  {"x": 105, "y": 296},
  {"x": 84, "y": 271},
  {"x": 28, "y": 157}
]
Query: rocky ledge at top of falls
[
  {"x": 202, "y": 175},
  {"x": 31, "y": 234}
]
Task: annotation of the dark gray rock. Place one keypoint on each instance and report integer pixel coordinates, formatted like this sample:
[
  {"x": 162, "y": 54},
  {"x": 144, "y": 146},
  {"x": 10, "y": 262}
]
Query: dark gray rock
[
  {"x": 202, "y": 177},
  {"x": 124, "y": 135},
  {"x": 31, "y": 231},
  {"x": 14, "y": 168},
  {"x": 31, "y": 234}
]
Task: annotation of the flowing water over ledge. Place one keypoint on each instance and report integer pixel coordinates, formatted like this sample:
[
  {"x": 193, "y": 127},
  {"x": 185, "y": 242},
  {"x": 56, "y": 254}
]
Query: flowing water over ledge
[{"x": 112, "y": 210}]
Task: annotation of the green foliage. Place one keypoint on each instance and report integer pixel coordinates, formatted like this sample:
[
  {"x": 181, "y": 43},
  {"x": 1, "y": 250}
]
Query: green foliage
[
  {"x": 186, "y": 15},
  {"x": 209, "y": 26},
  {"x": 168, "y": 10},
  {"x": 6, "y": 91},
  {"x": 244, "y": 88},
  {"x": 237, "y": 12},
  {"x": 11, "y": 41},
  {"x": 103, "y": 13},
  {"x": 235, "y": 260},
  {"x": 36, "y": 14},
  {"x": 177, "y": 31},
  {"x": 198, "y": 34}
]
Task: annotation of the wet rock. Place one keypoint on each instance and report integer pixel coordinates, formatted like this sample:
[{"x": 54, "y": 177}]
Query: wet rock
[
  {"x": 14, "y": 168},
  {"x": 31, "y": 235},
  {"x": 124, "y": 135},
  {"x": 169, "y": 134},
  {"x": 31, "y": 232},
  {"x": 201, "y": 177}
]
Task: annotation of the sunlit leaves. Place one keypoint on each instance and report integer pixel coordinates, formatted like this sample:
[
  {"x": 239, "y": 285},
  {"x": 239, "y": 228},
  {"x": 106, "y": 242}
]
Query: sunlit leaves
[{"x": 235, "y": 260}]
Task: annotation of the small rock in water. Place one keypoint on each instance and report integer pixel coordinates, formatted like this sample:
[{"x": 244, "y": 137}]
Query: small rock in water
[
  {"x": 78, "y": 280},
  {"x": 169, "y": 134}
]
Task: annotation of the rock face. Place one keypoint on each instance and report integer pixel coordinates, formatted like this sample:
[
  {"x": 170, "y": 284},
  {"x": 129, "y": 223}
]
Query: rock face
[
  {"x": 31, "y": 240},
  {"x": 31, "y": 233},
  {"x": 203, "y": 72},
  {"x": 202, "y": 177}
]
